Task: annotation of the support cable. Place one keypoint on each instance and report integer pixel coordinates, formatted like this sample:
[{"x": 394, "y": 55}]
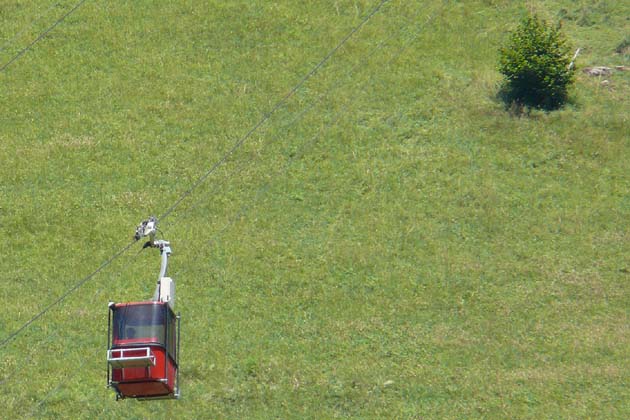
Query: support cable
[
  {"x": 41, "y": 36},
  {"x": 201, "y": 179},
  {"x": 339, "y": 81},
  {"x": 26, "y": 27},
  {"x": 16, "y": 376},
  {"x": 262, "y": 190},
  {"x": 68, "y": 379},
  {"x": 242, "y": 210},
  {"x": 268, "y": 115},
  {"x": 65, "y": 295}
]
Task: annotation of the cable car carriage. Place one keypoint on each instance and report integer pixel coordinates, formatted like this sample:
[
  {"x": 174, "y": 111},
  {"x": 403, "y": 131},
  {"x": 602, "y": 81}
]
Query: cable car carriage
[{"x": 143, "y": 337}]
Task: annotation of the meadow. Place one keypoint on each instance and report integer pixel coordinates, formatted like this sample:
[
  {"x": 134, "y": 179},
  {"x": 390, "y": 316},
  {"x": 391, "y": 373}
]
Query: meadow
[{"x": 360, "y": 228}]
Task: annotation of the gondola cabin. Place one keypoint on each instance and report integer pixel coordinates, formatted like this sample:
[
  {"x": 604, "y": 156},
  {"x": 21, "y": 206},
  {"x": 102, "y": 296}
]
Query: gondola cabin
[{"x": 143, "y": 350}]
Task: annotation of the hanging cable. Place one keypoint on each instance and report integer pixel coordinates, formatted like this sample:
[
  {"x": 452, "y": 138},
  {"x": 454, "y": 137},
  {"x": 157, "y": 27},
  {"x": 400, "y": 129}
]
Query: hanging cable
[
  {"x": 268, "y": 115},
  {"x": 16, "y": 376},
  {"x": 202, "y": 178},
  {"x": 243, "y": 209},
  {"x": 65, "y": 295},
  {"x": 339, "y": 81},
  {"x": 42, "y": 35},
  {"x": 29, "y": 25},
  {"x": 77, "y": 369}
]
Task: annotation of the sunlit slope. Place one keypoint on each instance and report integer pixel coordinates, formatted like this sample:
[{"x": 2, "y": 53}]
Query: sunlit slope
[{"x": 381, "y": 239}]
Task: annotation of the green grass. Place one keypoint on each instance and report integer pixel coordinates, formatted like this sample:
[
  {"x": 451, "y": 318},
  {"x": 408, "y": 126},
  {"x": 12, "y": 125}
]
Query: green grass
[{"x": 403, "y": 249}]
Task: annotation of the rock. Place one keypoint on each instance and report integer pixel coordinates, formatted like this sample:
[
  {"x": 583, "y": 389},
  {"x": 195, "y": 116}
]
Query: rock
[{"x": 598, "y": 71}]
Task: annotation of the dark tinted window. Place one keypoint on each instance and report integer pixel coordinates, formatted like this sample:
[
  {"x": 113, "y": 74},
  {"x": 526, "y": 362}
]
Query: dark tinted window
[{"x": 140, "y": 321}]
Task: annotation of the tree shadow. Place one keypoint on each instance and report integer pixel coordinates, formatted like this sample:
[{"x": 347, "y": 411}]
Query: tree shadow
[{"x": 519, "y": 101}]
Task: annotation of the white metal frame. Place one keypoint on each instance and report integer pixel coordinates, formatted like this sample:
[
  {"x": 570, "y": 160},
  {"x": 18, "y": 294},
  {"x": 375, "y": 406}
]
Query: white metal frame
[{"x": 146, "y": 360}]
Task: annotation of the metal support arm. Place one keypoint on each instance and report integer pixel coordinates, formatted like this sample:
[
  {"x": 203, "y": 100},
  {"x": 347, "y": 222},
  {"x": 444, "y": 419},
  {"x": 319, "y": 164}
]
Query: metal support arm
[{"x": 165, "y": 289}]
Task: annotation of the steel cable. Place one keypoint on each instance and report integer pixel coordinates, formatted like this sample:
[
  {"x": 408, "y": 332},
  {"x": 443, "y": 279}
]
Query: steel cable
[
  {"x": 41, "y": 36},
  {"x": 200, "y": 180},
  {"x": 313, "y": 139},
  {"x": 268, "y": 115},
  {"x": 324, "y": 94},
  {"x": 29, "y": 25},
  {"x": 244, "y": 208},
  {"x": 65, "y": 294}
]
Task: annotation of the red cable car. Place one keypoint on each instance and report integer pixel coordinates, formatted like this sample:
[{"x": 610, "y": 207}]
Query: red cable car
[
  {"x": 143, "y": 356},
  {"x": 143, "y": 337}
]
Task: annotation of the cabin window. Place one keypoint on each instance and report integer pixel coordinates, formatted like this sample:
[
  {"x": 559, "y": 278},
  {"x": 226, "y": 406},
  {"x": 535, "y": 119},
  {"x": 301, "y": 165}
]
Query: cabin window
[{"x": 140, "y": 323}]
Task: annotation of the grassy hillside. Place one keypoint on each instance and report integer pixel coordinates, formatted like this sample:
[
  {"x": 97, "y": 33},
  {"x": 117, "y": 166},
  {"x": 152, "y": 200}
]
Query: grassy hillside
[{"x": 389, "y": 243}]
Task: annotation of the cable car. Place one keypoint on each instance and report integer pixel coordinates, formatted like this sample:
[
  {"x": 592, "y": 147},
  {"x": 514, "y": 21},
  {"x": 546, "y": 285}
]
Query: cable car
[{"x": 143, "y": 337}]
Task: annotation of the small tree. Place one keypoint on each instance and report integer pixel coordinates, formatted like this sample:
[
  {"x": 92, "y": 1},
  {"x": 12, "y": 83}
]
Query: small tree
[{"x": 535, "y": 63}]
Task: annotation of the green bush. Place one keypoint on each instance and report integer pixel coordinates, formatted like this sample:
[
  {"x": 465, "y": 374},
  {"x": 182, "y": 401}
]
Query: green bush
[{"x": 535, "y": 63}]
